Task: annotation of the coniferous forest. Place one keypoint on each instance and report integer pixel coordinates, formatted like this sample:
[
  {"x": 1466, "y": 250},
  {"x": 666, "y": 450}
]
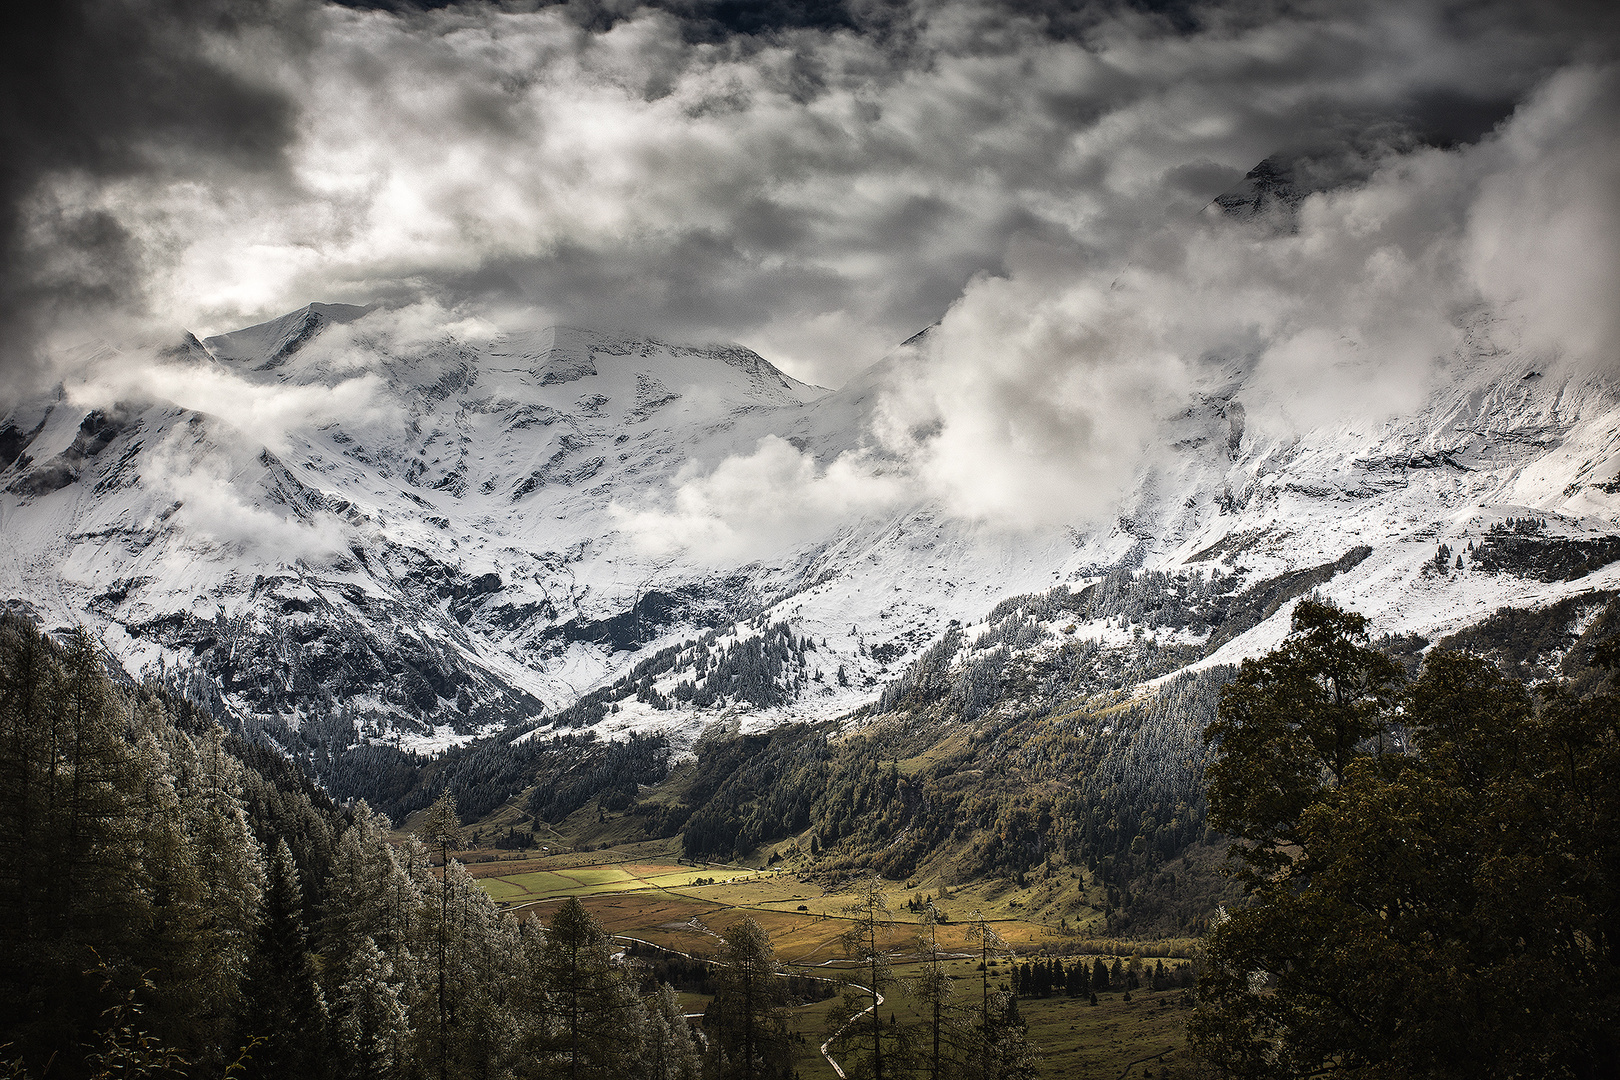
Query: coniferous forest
[
  {"x": 174, "y": 903},
  {"x": 1424, "y": 864}
]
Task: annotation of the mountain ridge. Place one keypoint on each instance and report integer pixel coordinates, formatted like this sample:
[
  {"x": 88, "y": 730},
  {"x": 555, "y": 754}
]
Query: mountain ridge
[{"x": 454, "y": 558}]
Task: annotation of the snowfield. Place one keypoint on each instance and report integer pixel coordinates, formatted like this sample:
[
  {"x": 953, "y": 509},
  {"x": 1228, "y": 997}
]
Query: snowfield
[{"x": 481, "y": 534}]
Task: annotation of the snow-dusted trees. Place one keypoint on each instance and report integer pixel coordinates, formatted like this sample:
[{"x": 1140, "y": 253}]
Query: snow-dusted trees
[
  {"x": 669, "y": 1052},
  {"x": 142, "y": 920},
  {"x": 369, "y": 1017},
  {"x": 124, "y": 855}
]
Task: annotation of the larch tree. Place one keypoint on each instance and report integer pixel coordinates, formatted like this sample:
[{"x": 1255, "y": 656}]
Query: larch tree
[
  {"x": 932, "y": 988},
  {"x": 590, "y": 1018},
  {"x": 749, "y": 1039},
  {"x": 441, "y": 829},
  {"x": 866, "y": 942}
]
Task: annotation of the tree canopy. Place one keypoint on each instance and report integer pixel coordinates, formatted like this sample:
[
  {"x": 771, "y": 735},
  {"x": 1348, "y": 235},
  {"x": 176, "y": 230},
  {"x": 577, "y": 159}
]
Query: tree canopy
[{"x": 1432, "y": 868}]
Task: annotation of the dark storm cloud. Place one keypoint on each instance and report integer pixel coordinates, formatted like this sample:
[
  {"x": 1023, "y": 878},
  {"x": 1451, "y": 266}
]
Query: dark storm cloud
[
  {"x": 816, "y": 179},
  {"x": 821, "y": 180},
  {"x": 93, "y": 91}
]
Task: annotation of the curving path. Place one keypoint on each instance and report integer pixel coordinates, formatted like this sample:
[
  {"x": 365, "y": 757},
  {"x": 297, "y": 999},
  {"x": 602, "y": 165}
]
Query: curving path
[{"x": 837, "y": 1068}]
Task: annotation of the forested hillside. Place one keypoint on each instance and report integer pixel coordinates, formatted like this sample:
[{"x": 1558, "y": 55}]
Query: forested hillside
[{"x": 174, "y": 902}]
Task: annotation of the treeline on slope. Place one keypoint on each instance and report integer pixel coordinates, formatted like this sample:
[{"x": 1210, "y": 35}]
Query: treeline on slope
[
  {"x": 762, "y": 670},
  {"x": 1521, "y": 546},
  {"x": 1115, "y": 791},
  {"x": 991, "y": 669},
  {"x": 1046, "y": 977},
  {"x": 175, "y": 903},
  {"x": 568, "y": 770}
]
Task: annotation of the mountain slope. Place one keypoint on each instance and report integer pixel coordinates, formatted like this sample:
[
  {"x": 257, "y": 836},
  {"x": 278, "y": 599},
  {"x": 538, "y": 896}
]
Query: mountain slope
[{"x": 455, "y": 553}]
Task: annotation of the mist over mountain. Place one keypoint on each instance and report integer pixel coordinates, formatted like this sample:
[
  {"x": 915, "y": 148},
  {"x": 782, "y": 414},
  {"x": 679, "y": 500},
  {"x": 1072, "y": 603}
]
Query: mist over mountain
[{"x": 1202, "y": 292}]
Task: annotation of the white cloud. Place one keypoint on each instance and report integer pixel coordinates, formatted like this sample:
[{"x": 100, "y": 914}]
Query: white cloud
[
  {"x": 266, "y": 412},
  {"x": 1544, "y": 232},
  {"x": 755, "y": 505},
  {"x": 206, "y": 485}
]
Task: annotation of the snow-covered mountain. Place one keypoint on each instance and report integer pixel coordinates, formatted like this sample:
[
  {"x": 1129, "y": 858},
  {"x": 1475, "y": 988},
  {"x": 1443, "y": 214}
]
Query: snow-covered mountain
[{"x": 452, "y": 550}]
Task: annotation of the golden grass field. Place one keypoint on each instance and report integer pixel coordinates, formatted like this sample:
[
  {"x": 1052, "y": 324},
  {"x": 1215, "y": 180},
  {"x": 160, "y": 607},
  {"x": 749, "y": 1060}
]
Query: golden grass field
[{"x": 648, "y": 895}]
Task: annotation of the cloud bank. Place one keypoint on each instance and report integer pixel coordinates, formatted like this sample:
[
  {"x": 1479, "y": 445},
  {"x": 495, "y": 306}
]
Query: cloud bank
[
  {"x": 818, "y": 189},
  {"x": 1046, "y": 388},
  {"x": 821, "y": 181}
]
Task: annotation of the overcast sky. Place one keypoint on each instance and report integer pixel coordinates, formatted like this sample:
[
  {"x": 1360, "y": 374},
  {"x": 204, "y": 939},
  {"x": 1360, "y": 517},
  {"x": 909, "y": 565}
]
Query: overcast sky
[{"x": 821, "y": 180}]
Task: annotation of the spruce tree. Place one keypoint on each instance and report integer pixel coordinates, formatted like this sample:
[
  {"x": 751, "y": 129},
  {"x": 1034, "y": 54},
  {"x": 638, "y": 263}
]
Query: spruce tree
[{"x": 282, "y": 1003}]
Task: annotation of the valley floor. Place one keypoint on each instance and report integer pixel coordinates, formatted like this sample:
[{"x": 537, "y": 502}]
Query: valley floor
[{"x": 639, "y": 893}]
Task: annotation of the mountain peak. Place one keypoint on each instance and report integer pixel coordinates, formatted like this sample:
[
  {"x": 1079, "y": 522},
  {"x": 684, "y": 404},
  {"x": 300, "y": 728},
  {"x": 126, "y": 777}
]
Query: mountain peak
[{"x": 269, "y": 344}]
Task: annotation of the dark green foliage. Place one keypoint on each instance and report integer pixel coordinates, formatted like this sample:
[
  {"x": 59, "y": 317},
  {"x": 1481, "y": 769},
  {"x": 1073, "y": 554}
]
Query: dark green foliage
[
  {"x": 1121, "y": 797},
  {"x": 156, "y": 915},
  {"x": 71, "y": 896},
  {"x": 571, "y": 773},
  {"x": 750, "y": 789},
  {"x": 586, "y": 1007},
  {"x": 566, "y": 770},
  {"x": 1291, "y": 724},
  {"x": 1443, "y": 908},
  {"x": 280, "y": 998}
]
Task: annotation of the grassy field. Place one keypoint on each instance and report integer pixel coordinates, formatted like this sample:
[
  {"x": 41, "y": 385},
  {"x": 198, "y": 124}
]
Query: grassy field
[{"x": 646, "y": 894}]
